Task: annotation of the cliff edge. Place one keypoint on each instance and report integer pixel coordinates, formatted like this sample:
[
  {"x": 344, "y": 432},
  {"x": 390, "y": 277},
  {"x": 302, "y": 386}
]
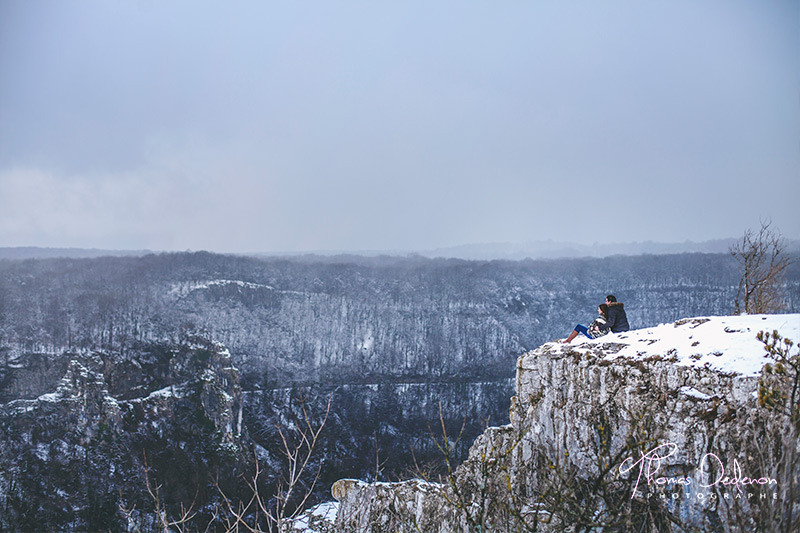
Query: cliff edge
[{"x": 690, "y": 426}]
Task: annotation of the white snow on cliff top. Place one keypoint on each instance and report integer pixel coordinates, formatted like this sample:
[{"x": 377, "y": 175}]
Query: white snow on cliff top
[{"x": 722, "y": 343}]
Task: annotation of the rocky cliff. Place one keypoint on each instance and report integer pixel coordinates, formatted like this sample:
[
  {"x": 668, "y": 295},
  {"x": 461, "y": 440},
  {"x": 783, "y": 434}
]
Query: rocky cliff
[
  {"x": 76, "y": 458},
  {"x": 691, "y": 426}
]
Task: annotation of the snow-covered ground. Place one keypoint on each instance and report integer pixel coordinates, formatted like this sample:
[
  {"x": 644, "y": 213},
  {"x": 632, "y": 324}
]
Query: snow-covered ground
[
  {"x": 322, "y": 516},
  {"x": 723, "y": 343}
]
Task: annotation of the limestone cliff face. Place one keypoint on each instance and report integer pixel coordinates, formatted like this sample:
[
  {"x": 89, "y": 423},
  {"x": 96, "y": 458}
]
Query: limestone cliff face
[
  {"x": 72, "y": 457},
  {"x": 604, "y": 434}
]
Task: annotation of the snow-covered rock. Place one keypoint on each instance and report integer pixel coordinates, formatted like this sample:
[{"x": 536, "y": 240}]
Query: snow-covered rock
[
  {"x": 678, "y": 427},
  {"x": 721, "y": 343},
  {"x": 319, "y": 519}
]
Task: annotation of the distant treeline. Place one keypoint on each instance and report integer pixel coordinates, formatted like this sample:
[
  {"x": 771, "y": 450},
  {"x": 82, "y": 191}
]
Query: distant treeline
[{"x": 348, "y": 319}]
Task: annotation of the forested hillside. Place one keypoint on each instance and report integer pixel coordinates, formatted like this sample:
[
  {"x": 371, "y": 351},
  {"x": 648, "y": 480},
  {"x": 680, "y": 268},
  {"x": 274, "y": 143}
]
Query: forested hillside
[
  {"x": 347, "y": 319},
  {"x": 108, "y": 358}
]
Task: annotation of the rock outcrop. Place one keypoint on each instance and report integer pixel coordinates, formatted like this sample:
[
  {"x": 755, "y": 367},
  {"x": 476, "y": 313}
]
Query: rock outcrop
[
  {"x": 75, "y": 458},
  {"x": 691, "y": 435}
]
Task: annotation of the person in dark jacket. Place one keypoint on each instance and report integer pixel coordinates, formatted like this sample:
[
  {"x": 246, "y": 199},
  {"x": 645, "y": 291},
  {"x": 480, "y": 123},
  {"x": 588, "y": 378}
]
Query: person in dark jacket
[{"x": 617, "y": 319}]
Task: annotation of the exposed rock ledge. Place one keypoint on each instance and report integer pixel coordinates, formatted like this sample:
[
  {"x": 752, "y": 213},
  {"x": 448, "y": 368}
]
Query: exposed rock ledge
[
  {"x": 65, "y": 451},
  {"x": 669, "y": 428}
]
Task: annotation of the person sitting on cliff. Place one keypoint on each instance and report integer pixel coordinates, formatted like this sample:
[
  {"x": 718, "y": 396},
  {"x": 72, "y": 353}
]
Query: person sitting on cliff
[
  {"x": 597, "y": 328},
  {"x": 617, "y": 319}
]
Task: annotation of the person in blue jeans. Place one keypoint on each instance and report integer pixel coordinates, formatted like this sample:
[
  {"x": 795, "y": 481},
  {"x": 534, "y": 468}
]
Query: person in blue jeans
[{"x": 597, "y": 328}]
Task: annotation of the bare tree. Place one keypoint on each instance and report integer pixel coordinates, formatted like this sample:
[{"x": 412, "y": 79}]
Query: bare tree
[
  {"x": 261, "y": 512},
  {"x": 291, "y": 496},
  {"x": 763, "y": 259},
  {"x": 159, "y": 519}
]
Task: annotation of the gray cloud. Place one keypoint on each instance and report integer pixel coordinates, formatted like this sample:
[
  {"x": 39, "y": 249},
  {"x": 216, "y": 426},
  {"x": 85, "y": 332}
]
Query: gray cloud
[{"x": 256, "y": 126}]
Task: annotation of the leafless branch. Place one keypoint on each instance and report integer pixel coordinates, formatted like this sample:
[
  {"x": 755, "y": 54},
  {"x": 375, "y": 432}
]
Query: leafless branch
[{"x": 763, "y": 260}]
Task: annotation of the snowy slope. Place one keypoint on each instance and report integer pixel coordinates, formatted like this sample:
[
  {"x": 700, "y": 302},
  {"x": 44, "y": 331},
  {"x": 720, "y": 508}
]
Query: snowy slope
[{"x": 722, "y": 343}]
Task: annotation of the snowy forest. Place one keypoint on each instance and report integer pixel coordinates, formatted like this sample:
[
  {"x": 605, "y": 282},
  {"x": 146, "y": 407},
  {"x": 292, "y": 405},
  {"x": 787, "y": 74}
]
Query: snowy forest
[
  {"x": 394, "y": 342},
  {"x": 347, "y": 319}
]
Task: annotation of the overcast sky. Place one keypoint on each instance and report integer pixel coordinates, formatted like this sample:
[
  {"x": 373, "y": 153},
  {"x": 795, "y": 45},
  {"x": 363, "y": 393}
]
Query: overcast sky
[{"x": 293, "y": 126}]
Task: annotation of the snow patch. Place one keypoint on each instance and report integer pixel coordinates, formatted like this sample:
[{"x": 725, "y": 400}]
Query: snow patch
[
  {"x": 324, "y": 512},
  {"x": 694, "y": 393},
  {"x": 368, "y": 342},
  {"x": 49, "y": 397},
  {"x": 42, "y": 451},
  {"x": 183, "y": 289},
  {"x": 168, "y": 392},
  {"x": 721, "y": 343}
]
